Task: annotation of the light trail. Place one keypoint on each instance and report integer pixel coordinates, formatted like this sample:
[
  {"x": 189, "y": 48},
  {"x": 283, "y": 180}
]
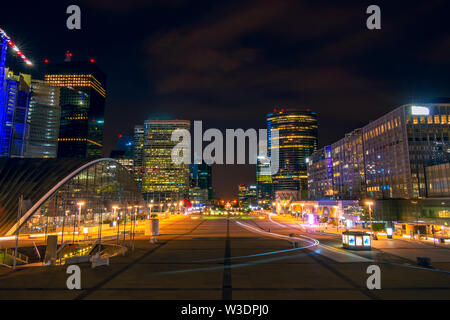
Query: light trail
[
  {"x": 315, "y": 242},
  {"x": 326, "y": 247},
  {"x": 256, "y": 254}
]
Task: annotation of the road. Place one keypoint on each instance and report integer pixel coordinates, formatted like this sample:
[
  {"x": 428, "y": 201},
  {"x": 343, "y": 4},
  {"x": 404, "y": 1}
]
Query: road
[{"x": 220, "y": 258}]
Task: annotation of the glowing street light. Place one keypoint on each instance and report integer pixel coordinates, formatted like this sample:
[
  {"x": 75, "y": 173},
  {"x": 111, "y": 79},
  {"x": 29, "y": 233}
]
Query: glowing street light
[{"x": 80, "y": 204}]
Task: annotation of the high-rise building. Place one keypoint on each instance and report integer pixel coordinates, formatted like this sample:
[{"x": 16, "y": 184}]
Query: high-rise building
[
  {"x": 247, "y": 196},
  {"x": 138, "y": 154},
  {"x": 297, "y": 140},
  {"x": 163, "y": 179},
  {"x": 82, "y": 101},
  {"x": 320, "y": 175},
  {"x": 13, "y": 116},
  {"x": 399, "y": 145},
  {"x": 123, "y": 152},
  {"x": 390, "y": 157},
  {"x": 201, "y": 183},
  {"x": 43, "y": 120},
  {"x": 348, "y": 166}
]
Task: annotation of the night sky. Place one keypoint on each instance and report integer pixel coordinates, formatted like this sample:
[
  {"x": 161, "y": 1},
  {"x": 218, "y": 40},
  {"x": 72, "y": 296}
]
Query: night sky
[{"x": 229, "y": 63}]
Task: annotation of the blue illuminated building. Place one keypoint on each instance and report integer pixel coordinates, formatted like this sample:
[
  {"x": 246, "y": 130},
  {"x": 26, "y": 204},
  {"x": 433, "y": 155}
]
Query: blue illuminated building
[{"x": 14, "y": 110}]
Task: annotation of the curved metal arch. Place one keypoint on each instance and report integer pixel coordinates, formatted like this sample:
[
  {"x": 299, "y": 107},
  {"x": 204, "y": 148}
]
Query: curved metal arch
[{"x": 52, "y": 191}]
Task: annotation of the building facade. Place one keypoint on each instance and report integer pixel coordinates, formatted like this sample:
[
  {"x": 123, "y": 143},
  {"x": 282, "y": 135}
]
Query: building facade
[
  {"x": 320, "y": 174},
  {"x": 438, "y": 180},
  {"x": 82, "y": 101},
  {"x": 247, "y": 196},
  {"x": 163, "y": 180},
  {"x": 138, "y": 154},
  {"x": 348, "y": 171},
  {"x": 297, "y": 141},
  {"x": 43, "y": 120},
  {"x": 201, "y": 179},
  {"x": 13, "y": 116},
  {"x": 264, "y": 180}
]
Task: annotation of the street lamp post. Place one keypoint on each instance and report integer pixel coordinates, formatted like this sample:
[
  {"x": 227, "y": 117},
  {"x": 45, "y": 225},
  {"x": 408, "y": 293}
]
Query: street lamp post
[
  {"x": 150, "y": 207},
  {"x": 370, "y": 204},
  {"x": 80, "y": 204},
  {"x": 125, "y": 224}
]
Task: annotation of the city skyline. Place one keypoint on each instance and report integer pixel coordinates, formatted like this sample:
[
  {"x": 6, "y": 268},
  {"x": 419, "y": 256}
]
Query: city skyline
[{"x": 208, "y": 151}]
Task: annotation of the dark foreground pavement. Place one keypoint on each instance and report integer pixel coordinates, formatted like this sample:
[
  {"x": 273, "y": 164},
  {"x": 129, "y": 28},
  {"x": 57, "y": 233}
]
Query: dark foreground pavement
[{"x": 209, "y": 259}]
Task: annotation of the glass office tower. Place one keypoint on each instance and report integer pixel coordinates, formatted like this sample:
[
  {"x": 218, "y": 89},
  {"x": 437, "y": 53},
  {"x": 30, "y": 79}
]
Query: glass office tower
[
  {"x": 43, "y": 119},
  {"x": 82, "y": 101},
  {"x": 297, "y": 141},
  {"x": 13, "y": 117},
  {"x": 163, "y": 180},
  {"x": 264, "y": 180},
  {"x": 138, "y": 154}
]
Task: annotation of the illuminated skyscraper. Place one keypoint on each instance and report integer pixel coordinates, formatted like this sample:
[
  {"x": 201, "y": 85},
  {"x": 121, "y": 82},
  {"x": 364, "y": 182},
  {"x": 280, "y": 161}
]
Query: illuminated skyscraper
[
  {"x": 247, "y": 196},
  {"x": 138, "y": 154},
  {"x": 297, "y": 141},
  {"x": 123, "y": 152},
  {"x": 82, "y": 100},
  {"x": 43, "y": 120},
  {"x": 264, "y": 180},
  {"x": 13, "y": 117},
  {"x": 163, "y": 179}
]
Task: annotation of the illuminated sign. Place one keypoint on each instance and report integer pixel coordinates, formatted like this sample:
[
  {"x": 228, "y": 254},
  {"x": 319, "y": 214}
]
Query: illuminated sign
[
  {"x": 311, "y": 219},
  {"x": 359, "y": 241},
  {"x": 420, "y": 111},
  {"x": 356, "y": 240},
  {"x": 351, "y": 240}
]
